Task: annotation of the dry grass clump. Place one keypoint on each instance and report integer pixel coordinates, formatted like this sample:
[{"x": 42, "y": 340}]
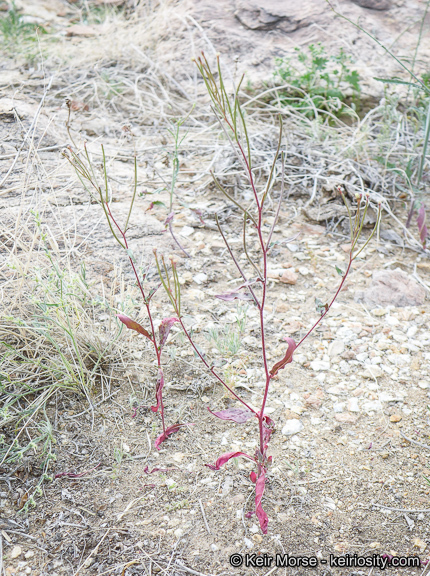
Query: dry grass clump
[{"x": 58, "y": 339}]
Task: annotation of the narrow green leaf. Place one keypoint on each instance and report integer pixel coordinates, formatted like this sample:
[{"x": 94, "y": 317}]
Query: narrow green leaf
[
  {"x": 397, "y": 81},
  {"x": 339, "y": 271}
]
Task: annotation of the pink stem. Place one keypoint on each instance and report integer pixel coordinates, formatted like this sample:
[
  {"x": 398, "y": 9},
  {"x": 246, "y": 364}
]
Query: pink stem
[
  {"x": 148, "y": 310},
  {"x": 211, "y": 368}
]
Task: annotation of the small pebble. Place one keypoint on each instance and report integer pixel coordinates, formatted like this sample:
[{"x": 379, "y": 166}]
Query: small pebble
[
  {"x": 200, "y": 278},
  {"x": 186, "y": 231},
  {"x": 395, "y": 418},
  {"x": 16, "y": 552},
  {"x": 353, "y": 405},
  {"x": 318, "y": 365},
  {"x": 291, "y": 427},
  {"x": 288, "y": 277},
  {"x": 336, "y": 348}
]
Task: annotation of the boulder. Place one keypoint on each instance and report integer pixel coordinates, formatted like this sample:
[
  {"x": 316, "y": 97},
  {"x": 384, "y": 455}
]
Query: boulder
[
  {"x": 285, "y": 15},
  {"x": 392, "y": 288},
  {"x": 374, "y": 4}
]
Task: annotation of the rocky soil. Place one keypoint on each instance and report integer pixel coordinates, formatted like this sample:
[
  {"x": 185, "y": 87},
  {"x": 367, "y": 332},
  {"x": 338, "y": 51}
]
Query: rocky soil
[{"x": 351, "y": 470}]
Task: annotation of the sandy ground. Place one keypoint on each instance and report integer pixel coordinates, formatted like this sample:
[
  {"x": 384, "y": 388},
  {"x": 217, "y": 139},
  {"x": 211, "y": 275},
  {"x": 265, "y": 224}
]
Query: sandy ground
[{"x": 350, "y": 451}]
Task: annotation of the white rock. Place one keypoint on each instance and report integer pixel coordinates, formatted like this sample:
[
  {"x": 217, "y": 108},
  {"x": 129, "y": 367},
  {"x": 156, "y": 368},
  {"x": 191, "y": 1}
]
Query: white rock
[
  {"x": 372, "y": 371},
  {"x": 371, "y": 406},
  {"x": 362, "y": 357},
  {"x": 29, "y": 554},
  {"x": 254, "y": 529},
  {"x": 412, "y": 347},
  {"x": 392, "y": 321},
  {"x": 336, "y": 348},
  {"x": 423, "y": 384},
  {"x": 200, "y": 278},
  {"x": 344, "y": 367},
  {"x": 412, "y": 331},
  {"x": 16, "y": 552},
  {"x": 387, "y": 369},
  {"x": 338, "y": 407},
  {"x": 178, "y": 533},
  {"x": 291, "y": 427},
  {"x": 353, "y": 405},
  {"x": 319, "y": 365},
  {"x": 214, "y": 547},
  {"x": 304, "y": 271},
  {"x": 186, "y": 231},
  {"x": 248, "y": 543},
  {"x": 390, "y": 397},
  {"x": 300, "y": 358}
]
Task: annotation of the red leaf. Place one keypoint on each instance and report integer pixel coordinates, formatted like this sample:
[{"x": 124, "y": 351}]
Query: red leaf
[
  {"x": 147, "y": 471},
  {"x": 233, "y": 414},
  {"x": 253, "y": 477},
  {"x": 133, "y": 325},
  {"x": 169, "y": 219},
  {"x": 159, "y": 390},
  {"x": 74, "y": 475},
  {"x": 286, "y": 359},
  {"x": 225, "y": 458},
  {"x": 268, "y": 428},
  {"x": 164, "y": 330},
  {"x": 261, "y": 514},
  {"x": 421, "y": 221},
  {"x": 170, "y": 430}
]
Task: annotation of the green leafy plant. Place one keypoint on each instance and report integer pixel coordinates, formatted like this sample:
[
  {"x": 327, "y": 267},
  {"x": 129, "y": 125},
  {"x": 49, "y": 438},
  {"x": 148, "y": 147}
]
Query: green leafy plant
[
  {"x": 420, "y": 87},
  {"x": 14, "y": 29},
  {"x": 318, "y": 82},
  {"x": 228, "y": 339}
]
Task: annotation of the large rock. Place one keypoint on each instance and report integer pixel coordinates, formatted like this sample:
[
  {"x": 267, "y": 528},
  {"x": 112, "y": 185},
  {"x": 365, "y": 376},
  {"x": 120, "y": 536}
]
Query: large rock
[
  {"x": 392, "y": 288},
  {"x": 374, "y": 4},
  {"x": 285, "y": 15}
]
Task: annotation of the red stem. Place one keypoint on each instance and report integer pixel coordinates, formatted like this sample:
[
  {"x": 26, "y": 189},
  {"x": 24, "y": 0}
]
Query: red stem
[
  {"x": 148, "y": 310},
  {"x": 211, "y": 368},
  {"x": 331, "y": 303}
]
